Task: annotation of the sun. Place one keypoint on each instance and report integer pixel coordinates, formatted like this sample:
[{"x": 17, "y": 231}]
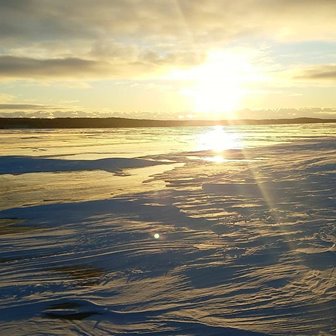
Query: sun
[{"x": 220, "y": 84}]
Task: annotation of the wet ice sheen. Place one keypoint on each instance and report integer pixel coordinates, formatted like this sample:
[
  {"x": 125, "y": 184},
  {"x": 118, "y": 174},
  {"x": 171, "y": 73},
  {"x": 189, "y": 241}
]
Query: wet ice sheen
[{"x": 129, "y": 232}]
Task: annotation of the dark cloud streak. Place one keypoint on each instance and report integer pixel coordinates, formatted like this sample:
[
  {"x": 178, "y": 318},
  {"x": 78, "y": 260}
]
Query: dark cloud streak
[
  {"x": 24, "y": 67},
  {"x": 322, "y": 72},
  {"x": 140, "y": 64},
  {"x": 26, "y": 107}
]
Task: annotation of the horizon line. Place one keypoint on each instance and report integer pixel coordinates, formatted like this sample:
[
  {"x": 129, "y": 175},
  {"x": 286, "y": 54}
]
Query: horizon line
[{"x": 116, "y": 122}]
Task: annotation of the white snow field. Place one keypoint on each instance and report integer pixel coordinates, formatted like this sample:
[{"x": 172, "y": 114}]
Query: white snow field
[{"x": 168, "y": 231}]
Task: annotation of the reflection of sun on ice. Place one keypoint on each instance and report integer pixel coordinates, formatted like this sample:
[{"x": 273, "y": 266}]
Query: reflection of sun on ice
[{"x": 218, "y": 140}]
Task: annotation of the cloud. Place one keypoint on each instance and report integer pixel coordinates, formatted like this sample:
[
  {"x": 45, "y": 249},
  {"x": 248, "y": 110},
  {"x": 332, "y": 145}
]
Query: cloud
[
  {"x": 22, "y": 67},
  {"x": 161, "y": 25},
  {"x": 25, "y": 107},
  {"x": 5, "y": 98},
  {"x": 30, "y": 20},
  {"x": 142, "y": 64},
  {"x": 322, "y": 112},
  {"x": 80, "y": 39},
  {"x": 320, "y": 72},
  {"x": 27, "y": 110}
]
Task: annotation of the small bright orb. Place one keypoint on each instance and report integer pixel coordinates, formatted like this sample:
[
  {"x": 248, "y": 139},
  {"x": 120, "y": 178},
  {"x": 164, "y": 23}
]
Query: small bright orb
[{"x": 156, "y": 236}]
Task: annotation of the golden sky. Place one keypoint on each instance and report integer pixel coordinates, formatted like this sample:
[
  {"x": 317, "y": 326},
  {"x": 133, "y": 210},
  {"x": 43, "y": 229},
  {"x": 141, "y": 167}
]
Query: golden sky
[{"x": 168, "y": 59}]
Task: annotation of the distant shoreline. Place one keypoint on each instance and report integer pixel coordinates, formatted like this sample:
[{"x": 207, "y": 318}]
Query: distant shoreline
[{"x": 66, "y": 123}]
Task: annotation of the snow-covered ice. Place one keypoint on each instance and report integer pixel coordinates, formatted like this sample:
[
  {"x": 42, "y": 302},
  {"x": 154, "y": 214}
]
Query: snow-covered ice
[{"x": 180, "y": 231}]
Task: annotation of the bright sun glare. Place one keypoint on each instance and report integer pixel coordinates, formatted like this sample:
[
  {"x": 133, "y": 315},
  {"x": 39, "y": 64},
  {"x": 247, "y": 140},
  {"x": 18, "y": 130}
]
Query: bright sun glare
[
  {"x": 218, "y": 140},
  {"x": 220, "y": 84}
]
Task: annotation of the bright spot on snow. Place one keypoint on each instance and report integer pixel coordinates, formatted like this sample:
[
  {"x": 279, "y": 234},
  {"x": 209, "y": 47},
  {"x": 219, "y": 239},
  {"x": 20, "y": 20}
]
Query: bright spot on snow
[
  {"x": 216, "y": 159},
  {"x": 218, "y": 139}
]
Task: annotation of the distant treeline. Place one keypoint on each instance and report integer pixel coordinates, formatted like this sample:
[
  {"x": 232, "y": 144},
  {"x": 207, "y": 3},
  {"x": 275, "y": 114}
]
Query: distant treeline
[{"x": 6, "y": 123}]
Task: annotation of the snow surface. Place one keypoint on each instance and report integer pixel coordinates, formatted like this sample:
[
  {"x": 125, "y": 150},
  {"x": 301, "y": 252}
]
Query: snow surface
[{"x": 151, "y": 234}]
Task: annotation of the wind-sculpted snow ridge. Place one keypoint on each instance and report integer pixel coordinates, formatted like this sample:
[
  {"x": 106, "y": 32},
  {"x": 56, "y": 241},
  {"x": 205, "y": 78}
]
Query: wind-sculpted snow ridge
[
  {"x": 25, "y": 164},
  {"x": 242, "y": 246}
]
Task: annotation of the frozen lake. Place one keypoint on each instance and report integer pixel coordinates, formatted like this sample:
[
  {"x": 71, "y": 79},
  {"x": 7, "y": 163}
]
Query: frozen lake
[{"x": 168, "y": 231}]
